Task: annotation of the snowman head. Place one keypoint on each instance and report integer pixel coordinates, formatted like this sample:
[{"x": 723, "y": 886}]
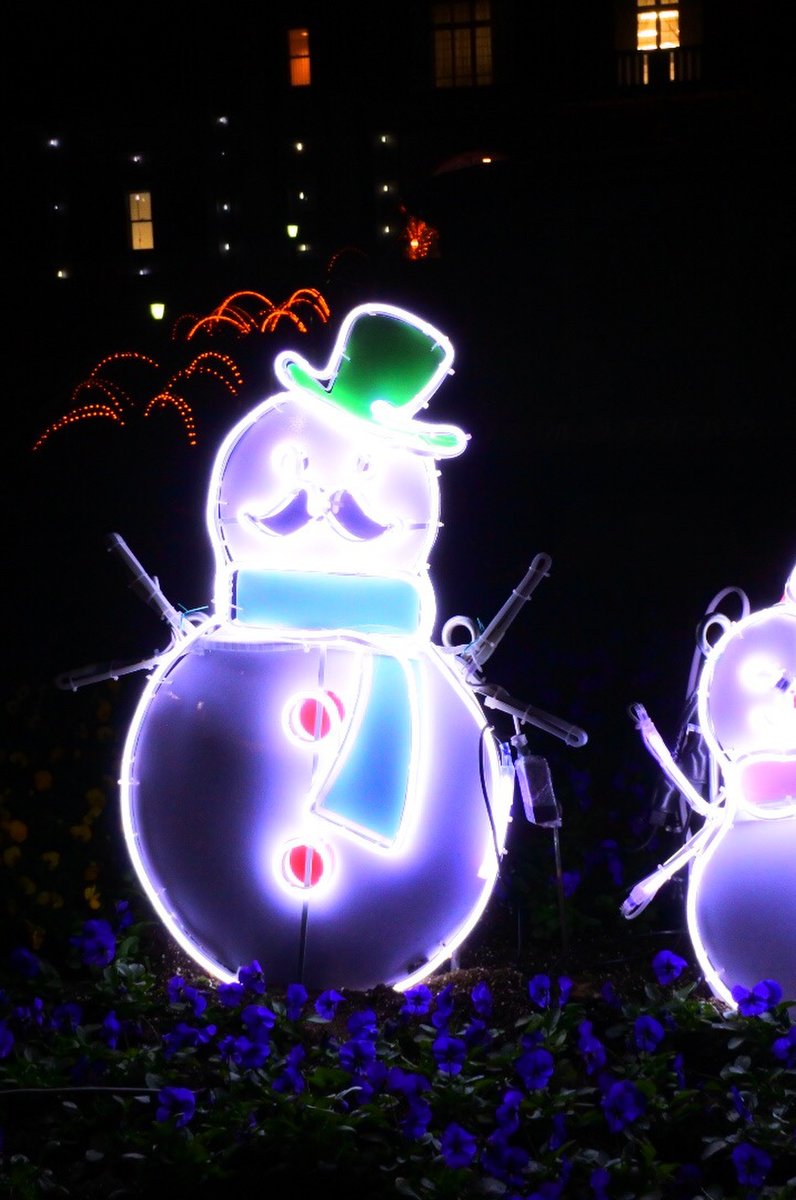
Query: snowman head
[
  {"x": 747, "y": 706},
  {"x": 336, "y": 474}
]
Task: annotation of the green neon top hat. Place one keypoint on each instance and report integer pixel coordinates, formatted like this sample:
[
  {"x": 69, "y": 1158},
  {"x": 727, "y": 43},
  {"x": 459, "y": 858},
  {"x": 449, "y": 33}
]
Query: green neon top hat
[{"x": 386, "y": 364}]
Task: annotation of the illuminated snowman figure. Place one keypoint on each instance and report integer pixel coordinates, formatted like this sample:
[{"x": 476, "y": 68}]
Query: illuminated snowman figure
[
  {"x": 741, "y": 903},
  {"x": 308, "y": 781}
]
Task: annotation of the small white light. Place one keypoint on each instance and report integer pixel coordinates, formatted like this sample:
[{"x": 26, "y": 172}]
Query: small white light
[
  {"x": 54, "y": 143},
  {"x": 386, "y": 229},
  {"x": 299, "y": 146},
  {"x": 222, "y": 121},
  {"x": 225, "y": 247},
  {"x": 225, "y": 208},
  {"x": 136, "y": 158},
  {"x": 157, "y": 310},
  {"x": 292, "y": 231},
  {"x": 302, "y": 195},
  {"x": 144, "y": 271},
  {"x": 62, "y": 273},
  {"x": 303, "y": 248}
]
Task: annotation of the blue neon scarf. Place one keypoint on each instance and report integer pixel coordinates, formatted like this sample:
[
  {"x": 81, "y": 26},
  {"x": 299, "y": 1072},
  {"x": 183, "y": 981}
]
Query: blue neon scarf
[{"x": 369, "y": 793}]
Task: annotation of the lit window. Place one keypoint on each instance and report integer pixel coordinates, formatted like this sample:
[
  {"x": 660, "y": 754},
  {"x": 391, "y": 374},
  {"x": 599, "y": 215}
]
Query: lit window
[
  {"x": 142, "y": 235},
  {"x": 462, "y": 43},
  {"x": 657, "y": 28},
  {"x": 298, "y": 48}
]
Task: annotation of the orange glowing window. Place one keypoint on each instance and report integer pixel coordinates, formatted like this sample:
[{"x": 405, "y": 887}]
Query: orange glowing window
[
  {"x": 298, "y": 49},
  {"x": 139, "y": 207},
  {"x": 462, "y": 43},
  {"x": 657, "y": 28}
]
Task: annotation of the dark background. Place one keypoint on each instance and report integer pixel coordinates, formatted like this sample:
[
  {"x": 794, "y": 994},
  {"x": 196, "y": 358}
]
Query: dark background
[{"x": 619, "y": 292}]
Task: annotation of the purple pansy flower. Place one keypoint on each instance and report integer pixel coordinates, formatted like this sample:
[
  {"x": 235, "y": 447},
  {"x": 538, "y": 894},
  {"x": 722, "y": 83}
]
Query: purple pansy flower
[
  {"x": 457, "y": 1146},
  {"x": 258, "y": 1021},
  {"x": 752, "y": 1164},
  {"x": 124, "y": 916},
  {"x": 535, "y": 1068},
  {"x": 356, "y": 1054},
  {"x": 407, "y": 1083},
  {"x": 668, "y": 966},
  {"x": 784, "y": 1048},
  {"x": 598, "y": 1182},
  {"x": 648, "y": 1033},
  {"x": 363, "y": 1024},
  {"x": 295, "y": 999},
  {"x": 184, "y": 1035},
  {"x": 252, "y": 977},
  {"x": 443, "y": 1009},
  {"x": 764, "y": 995},
  {"x": 244, "y": 1051},
  {"x": 416, "y": 1120},
  {"x": 482, "y": 1000},
  {"x": 111, "y": 1029},
  {"x": 539, "y": 990},
  {"x": 6, "y": 1040},
  {"x": 449, "y": 1053},
  {"x": 507, "y": 1114},
  {"x": 622, "y": 1104},
  {"x": 326, "y": 1004},
  {"x": 175, "y": 1103},
  {"x": 230, "y": 994},
  {"x": 96, "y": 943},
  {"x": 417, "y": 1001},
  {"x": 591, "y": 1048}
]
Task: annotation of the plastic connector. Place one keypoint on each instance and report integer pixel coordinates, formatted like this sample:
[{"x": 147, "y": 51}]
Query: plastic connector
[{"x": 536, "y": 788}]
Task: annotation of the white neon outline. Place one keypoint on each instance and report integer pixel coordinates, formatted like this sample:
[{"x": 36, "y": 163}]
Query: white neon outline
[
  {"x": 169, "y": 919},
  {"x": 415, "y": 652},
  {"x": 697, "y": 871}
]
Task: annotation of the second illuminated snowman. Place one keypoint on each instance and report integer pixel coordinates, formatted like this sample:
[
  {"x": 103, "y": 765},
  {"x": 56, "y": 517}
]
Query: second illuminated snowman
[
  {"x": 742, "y": 889},
  {"x": 741, "y": 902},
  {"x": 308, "y": 781}
]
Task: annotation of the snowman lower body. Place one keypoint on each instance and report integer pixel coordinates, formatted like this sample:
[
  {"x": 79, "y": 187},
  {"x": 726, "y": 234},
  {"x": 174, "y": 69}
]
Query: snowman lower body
[
  {"x": 742, "y": 905},
  {"x": 328, "y": 808}
]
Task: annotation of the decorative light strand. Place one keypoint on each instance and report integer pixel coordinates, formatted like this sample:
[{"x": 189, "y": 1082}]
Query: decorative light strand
[{"x": 165, "y": 398}]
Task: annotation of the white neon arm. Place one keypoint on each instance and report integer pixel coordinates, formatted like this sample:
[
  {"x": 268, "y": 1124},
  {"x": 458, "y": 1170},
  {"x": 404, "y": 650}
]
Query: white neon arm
[
  {"x": 647, "y": 889},
  {"x": 660, "y": 751}
]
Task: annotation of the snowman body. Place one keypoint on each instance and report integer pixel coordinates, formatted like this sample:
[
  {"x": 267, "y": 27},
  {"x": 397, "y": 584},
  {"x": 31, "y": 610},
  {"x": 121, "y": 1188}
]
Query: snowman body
[
  {"x": 741, "y": 902},
  {"x": 308, "y": 781}
]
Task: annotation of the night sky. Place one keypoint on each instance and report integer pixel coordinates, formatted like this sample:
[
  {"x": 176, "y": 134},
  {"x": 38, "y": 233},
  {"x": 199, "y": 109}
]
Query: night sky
[{"x": 624, "y": 364}]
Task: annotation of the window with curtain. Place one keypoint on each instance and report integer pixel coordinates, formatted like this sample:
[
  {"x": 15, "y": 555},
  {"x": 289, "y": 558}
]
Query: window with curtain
[
  {"x": 298, "y": 49},
  {"x": 657, "y": 27},
  {"x": 139, "y": 207},
  {"x": 462, "y": 34}
]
